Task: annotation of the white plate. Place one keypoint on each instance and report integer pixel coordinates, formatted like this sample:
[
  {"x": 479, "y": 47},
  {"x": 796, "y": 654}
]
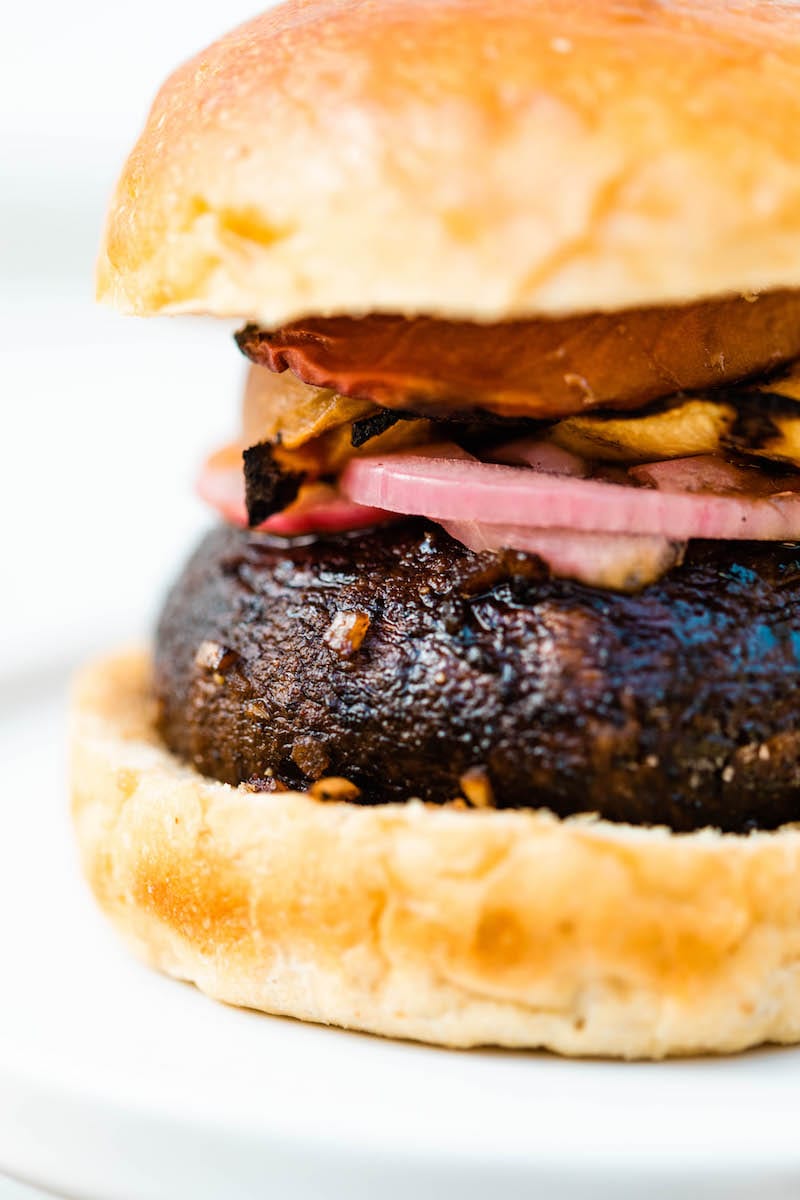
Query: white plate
[{"x": 117, "y": 1084}]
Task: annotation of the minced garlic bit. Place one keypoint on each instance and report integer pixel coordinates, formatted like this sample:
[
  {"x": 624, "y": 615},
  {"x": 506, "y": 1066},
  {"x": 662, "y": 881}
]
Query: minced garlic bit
[
  {"x": 333, "y": 787},
  {"x": 212, "y": 656},
  {"x": 477, "y": 788},
  {"x": 346, "y": 632}
]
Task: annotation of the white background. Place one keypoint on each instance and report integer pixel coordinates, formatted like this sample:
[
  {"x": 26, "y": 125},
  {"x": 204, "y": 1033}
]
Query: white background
[{"x": 104, "y": 419}]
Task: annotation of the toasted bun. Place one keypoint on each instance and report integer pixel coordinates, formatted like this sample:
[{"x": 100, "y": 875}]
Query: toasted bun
[
  {"x": 471, "y": 158},
  {"x": 450, "y": 926}
]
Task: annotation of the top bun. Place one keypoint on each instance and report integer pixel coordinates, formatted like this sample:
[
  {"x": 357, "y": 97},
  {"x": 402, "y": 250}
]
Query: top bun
[{"x": 480, "y": 159}]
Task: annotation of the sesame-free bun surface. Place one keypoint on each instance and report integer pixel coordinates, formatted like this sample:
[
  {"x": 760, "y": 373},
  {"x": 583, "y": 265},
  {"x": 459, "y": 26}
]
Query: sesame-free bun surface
[
  {"x": 452, "y": 926},
  {"x": 482, "y": 159}
]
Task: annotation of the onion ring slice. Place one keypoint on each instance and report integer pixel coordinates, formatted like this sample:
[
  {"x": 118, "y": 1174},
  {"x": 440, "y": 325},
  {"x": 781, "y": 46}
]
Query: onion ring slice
[{"x": 449, "y": 489}]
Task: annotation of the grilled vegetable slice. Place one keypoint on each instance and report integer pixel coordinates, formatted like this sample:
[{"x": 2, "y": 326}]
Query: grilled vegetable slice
[
  {"x": 688, "y": 425},
  {"x": 767, "y": 422}
]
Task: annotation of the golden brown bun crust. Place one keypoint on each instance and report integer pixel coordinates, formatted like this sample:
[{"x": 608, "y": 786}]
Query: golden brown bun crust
[
  {"x": 455, "y": 927},
  {"x": 472, "y": 158}
]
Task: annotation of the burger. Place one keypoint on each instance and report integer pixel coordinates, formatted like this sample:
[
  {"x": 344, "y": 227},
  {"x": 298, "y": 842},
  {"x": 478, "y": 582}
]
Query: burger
[{"x": 476, "y": 717}]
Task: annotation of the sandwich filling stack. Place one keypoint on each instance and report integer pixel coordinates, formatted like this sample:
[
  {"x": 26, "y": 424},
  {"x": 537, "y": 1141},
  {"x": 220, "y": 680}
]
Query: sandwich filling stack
[{"x": 475, "y": 717}]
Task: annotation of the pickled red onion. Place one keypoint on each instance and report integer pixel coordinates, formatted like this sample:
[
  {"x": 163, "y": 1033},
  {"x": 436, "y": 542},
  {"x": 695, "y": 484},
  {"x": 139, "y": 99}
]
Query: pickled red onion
[
  {"x": 623, "y": 561},
  {"x": 319, "y": 508},
  {"x": 709, "y": 473},
  {"x": 447, "y": 489},
  {"x": 541, "y": 455}
]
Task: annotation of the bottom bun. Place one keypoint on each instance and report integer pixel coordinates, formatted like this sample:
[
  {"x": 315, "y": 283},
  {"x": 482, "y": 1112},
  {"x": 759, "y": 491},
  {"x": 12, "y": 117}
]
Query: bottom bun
[{"x": 459, "y": 927}]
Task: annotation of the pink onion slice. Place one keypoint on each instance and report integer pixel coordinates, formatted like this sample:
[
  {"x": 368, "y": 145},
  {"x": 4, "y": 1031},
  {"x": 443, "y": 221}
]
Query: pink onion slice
[
  {"x": 710, "y": 473},
  {"x": 541, "y": 455},
  {"x": 447, "y": 489},
  {"x": 319, "y": 508},
  {"x": 623, "y": 561}
]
